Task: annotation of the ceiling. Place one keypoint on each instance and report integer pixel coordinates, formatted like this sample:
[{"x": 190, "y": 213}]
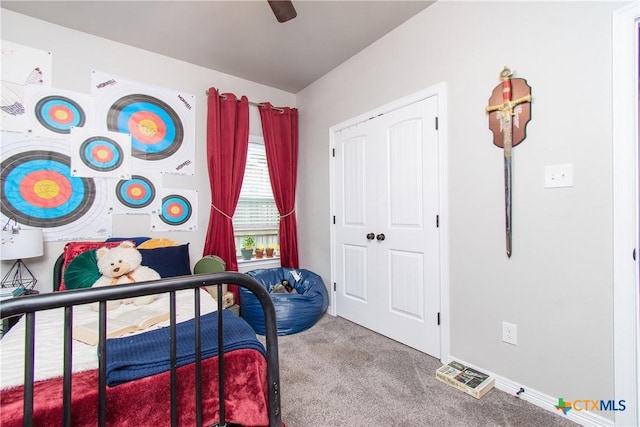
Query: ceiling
[{"x": 241, "y": 37}]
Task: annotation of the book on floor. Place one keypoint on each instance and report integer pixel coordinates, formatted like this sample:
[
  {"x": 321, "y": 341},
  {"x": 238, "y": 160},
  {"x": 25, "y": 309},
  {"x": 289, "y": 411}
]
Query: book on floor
[
  {"x": 142, "y": 317},
  {"x": 466, "y": 379}
]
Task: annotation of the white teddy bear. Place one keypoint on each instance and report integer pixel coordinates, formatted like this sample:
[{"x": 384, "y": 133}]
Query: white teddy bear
[{"x": 120, "y": 265}]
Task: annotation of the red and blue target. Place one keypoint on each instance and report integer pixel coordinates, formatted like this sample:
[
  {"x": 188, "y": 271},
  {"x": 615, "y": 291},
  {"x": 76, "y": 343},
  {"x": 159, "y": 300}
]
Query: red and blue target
[
  {"x": 155, "y": 128},
  {"x": 38, "y": 189},
  {"x": 101, "y": 153},
  {"x": 59, "y": 114},
  {"x": 137, "y": 192},
  {"x": 176, "y": 210}
]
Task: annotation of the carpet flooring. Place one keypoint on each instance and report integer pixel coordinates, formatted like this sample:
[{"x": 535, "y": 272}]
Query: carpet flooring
[{"x": 340, "y": 374}]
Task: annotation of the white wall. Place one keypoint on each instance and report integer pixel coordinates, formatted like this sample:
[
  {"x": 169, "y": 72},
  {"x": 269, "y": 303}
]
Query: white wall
[
  {"x": 557, "y": 286},
  {"x": 75, "y": 54}
]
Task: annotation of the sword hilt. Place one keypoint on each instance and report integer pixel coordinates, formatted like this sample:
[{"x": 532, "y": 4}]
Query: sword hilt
[{"x": 505, "y": 75}]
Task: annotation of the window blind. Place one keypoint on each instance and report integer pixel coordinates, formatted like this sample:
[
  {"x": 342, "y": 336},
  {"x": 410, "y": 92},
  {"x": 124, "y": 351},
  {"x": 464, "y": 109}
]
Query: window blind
[{"x": 256, "y": 208}]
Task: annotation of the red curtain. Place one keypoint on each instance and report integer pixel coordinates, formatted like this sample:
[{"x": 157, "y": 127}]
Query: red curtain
[
  {"x": 227, "y": 145},
  {"x": 280, "y": 132}
]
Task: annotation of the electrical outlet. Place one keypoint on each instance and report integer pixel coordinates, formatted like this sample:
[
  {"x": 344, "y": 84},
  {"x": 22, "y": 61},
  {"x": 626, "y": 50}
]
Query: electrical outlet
[{"x": 509, "y": 333}]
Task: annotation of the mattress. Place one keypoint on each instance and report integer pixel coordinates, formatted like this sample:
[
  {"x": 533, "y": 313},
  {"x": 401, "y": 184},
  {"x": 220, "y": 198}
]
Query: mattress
[{"x": 49, "y": 334}]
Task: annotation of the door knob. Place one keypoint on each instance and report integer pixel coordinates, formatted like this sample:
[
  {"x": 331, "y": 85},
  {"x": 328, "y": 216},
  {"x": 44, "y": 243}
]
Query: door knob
[
  {"x": 370, "y": 236},
  {"x": 380, "y": 237}
]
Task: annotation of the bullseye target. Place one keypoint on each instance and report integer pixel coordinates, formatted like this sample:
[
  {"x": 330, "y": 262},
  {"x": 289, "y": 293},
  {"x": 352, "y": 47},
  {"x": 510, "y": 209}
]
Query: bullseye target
[
  {"x": 38, "y": 189},
  {"x": 155, "y": 128},
  {"x": 101, "y": 154},
  {"x": 176, "y": 210},
  {"x": 54, "y": 112},
  {"x": 136, "y": 193},
  {"x": 161, "y": 122},
  {"x": 59, "y": 113}
]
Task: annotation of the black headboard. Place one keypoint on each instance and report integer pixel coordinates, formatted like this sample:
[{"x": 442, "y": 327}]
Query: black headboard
[{"x": 57, "y": 273}]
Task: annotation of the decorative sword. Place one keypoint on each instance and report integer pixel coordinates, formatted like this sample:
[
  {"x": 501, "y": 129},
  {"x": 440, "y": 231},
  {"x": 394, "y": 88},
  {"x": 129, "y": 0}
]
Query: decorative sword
[{"x": 507, "y": 113}]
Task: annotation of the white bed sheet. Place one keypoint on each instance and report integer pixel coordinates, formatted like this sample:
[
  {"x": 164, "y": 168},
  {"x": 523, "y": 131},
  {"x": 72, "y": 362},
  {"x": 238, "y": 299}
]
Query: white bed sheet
[{"x": 50, "y": 333}]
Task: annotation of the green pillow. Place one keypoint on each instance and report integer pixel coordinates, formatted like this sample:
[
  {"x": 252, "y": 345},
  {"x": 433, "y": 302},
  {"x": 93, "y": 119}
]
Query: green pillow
[{"x": 82, "y": 271}]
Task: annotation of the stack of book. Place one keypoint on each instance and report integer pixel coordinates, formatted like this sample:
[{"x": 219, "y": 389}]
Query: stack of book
[{"x": 466, "y": 379}]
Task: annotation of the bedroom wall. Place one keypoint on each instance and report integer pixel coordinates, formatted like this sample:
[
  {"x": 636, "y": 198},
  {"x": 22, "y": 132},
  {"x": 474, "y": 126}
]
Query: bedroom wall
[
  {"x": 75, "y": 54},
  {"x": 557, "y": 287}
]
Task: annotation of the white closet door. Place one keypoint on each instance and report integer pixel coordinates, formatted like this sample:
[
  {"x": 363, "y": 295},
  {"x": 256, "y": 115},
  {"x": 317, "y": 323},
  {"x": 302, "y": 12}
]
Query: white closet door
[
  {"x": 408, "y": 266},
  {"x": 356, "y": 254},
  {"x": 387, "y": 187}
]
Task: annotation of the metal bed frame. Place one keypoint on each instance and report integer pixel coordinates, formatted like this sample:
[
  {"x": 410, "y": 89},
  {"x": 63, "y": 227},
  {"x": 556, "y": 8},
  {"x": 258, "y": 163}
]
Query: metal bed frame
[{"x": 28, "y": 306}]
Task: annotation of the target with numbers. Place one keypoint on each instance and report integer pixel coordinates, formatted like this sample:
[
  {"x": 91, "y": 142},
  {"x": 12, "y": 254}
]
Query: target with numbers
[
  {"x": 37, "y": 188},
  {"x": 161, "y": 122},
  {"x": 40, "y": 191},
  {"x": 156, "y": 131}
]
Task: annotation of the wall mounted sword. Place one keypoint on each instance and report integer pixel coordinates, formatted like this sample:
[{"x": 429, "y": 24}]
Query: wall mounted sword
[{"x": 508, "y": 125}]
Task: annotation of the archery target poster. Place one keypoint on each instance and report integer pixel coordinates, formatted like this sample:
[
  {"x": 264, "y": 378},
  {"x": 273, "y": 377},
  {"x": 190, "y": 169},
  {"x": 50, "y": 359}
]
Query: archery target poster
[
  {"x": 161, "y": 122},
  {"x": 22, "y": 66},
  {"x": 140, "y": 194},
  {"x": 53, "y": 112},
  {"x": 178, "y": 212},
  {"x": 38, "y": 190},
  {"x": 71, "y": 160},
  {"x": 100, "y": 154}
]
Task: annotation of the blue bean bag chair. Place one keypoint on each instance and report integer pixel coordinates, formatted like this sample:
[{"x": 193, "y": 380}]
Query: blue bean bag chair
[{"x": 295, "y": 312}]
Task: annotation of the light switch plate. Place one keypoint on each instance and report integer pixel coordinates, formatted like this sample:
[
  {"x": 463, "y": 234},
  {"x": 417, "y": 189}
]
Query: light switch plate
[{"x": 558, "y": 176}]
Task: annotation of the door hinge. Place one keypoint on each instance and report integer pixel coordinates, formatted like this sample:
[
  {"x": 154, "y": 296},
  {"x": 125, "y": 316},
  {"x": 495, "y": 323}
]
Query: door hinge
[
  {"x": 634, "y": 254},
  {"x": 334, "y": 286},
  {"x": 334, "y": 220},
  {"x": 437, "y": 221},
  {"x": 438, "y": 318},
  {"x": 436, "y": 122},
  {"x": 333, "y": 152}
]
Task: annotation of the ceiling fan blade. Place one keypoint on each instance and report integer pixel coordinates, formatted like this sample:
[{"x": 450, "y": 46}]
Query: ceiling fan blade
[{"x": 283, "y": 10}]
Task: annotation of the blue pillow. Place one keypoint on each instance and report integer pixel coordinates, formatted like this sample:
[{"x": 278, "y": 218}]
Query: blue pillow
[
  {"x": 136, "y": 240},
  {"x": 168, "y": 261}
]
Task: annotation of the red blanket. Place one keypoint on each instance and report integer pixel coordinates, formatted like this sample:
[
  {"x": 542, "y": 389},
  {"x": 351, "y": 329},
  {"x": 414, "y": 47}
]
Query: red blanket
[{"x": 146, "y": 402}]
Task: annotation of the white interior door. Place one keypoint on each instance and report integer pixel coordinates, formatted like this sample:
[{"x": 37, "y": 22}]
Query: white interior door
[
  {"x": 354, "y": 249},
  {"x": 408, "y": 274},
  {"x": 386, "y": 237}
]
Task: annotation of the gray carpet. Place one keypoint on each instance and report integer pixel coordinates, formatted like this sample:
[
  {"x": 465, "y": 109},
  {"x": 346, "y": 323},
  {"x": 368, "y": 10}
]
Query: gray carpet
[{"x": 340, "y": 374}]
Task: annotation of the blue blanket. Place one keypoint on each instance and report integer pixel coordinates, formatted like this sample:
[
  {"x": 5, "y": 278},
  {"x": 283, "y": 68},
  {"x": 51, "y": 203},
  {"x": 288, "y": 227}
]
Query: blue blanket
[{"x": 145, "y": 354}]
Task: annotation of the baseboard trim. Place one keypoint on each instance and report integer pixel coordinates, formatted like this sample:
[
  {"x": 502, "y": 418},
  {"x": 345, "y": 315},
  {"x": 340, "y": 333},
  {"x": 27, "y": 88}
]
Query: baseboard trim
[{"x": 541, "y": 400}]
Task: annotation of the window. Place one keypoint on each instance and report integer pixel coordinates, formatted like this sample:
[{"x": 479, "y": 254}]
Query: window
[{"x": 256, "y": 214}]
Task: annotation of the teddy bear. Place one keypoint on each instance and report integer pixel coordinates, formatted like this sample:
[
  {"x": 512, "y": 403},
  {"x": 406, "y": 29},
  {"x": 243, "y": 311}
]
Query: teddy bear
[{"x": 120, "y": 265}]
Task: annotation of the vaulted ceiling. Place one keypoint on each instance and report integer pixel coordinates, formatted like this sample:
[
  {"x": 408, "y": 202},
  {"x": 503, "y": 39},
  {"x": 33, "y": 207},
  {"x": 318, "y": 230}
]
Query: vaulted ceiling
[{"x": 241, "y": 38}]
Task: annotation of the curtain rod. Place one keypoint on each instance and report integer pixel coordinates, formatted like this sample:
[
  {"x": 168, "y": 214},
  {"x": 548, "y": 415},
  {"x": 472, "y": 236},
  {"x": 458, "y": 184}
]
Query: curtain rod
[{"x": 257, "y": 104}]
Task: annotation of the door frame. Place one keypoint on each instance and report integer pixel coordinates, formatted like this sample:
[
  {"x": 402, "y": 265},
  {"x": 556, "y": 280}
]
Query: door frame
[
  {"x": 625, "y": 211},
  {"x": 440, "y": 91}
]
